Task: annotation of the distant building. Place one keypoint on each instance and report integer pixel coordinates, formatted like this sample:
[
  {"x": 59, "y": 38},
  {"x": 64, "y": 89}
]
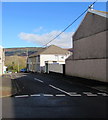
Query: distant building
[
  {"x": 89, "y": 48},
  {"x": 51, "y": 54},
  {"x": 2, "y": 56}
]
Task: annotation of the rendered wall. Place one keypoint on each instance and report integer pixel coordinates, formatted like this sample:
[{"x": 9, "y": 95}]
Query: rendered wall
[
  {"x": 58, "y": 68},
  {"x": 89, "y": 58},
  {"x": 91, "y": 69},
  {"x": 92, "y": 24},
  {"x": 91, "y": 47}
]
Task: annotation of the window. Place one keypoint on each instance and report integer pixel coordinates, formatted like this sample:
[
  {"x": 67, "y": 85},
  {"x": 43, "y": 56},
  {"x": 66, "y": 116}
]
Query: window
[{"x": 62, "y": 57}]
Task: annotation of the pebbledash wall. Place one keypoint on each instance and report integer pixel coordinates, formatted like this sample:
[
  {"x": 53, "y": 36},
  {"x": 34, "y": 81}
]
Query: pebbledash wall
[{"x": 89, "y": 48}]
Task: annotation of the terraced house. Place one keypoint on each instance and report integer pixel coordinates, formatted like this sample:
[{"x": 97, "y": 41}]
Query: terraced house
[{"x": 51, "y": 54}]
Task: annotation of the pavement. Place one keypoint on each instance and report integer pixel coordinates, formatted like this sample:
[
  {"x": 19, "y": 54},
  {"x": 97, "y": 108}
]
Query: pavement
[{"x": 7, "y": 86}]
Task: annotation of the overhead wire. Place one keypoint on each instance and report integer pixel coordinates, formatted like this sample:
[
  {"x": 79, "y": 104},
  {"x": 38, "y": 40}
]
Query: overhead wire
[{"x": 68, "y": 25}]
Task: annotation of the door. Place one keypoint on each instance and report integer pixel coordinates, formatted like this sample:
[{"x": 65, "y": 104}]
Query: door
[{"x": 46, "y": 67}]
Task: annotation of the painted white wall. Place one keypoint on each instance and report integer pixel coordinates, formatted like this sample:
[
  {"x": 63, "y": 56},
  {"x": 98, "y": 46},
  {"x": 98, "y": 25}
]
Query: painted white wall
[
  {"x": 59, "y": 58},
  {"x": 2, "y": 56},
  {"x": 0, "y": 60}
]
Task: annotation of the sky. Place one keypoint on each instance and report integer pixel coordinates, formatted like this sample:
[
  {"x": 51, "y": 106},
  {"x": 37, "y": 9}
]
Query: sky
[{"x": 33, "y": 24}]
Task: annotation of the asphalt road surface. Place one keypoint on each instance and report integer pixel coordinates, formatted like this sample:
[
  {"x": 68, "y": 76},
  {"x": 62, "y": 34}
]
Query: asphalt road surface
[{"x": 45, "y": 96}]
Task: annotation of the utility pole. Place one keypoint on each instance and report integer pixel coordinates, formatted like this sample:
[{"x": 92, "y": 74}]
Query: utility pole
[
  {"x": 27, "y": 59},
  {"x": 18, "y": 65},
  {"x": 27, "y": 54}
]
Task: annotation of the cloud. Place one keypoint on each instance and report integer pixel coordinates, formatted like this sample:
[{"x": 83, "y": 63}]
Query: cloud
[
  {"x": 38, "y": 29},
  {"x": 64, "y": 40}
]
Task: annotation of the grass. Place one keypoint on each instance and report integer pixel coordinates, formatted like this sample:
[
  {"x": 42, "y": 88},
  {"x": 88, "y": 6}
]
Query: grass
[{"x": 15, "y": 63}]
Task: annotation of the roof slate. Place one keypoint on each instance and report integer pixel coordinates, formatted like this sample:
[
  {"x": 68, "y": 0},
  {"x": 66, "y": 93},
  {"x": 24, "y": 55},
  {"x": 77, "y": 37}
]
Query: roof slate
[{"x": 52, "y": 49}]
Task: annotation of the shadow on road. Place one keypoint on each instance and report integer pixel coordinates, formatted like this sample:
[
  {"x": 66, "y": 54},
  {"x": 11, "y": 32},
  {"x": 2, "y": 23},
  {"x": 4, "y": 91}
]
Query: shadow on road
[{"x": 48, "y": 107}]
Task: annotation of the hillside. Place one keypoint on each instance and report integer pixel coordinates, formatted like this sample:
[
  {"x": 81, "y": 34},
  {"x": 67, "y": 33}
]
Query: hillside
[
  {"x": 15, "y": 58},
  {"x": 21, "y": 51}
]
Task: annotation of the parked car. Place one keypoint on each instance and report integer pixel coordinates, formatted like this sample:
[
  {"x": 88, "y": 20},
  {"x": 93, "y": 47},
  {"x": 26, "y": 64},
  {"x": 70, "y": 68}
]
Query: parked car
[
  {"x": 9, "y": 71},
  {"x": 23, "y": 70}
]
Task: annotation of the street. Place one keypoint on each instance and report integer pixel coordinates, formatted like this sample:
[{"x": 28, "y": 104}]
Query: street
[{"x": 46, "y": 96}]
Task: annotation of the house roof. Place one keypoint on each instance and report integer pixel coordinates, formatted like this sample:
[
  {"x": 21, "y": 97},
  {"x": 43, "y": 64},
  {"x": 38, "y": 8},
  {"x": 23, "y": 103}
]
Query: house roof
[
  {"x": 37, "y": 53},
  {"x": 52, "y": 49}
]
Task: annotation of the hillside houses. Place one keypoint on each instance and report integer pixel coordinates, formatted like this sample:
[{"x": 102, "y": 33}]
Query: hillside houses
[
  {"x": 51, "y": 54},
  {"x": 89, "y": 48}
]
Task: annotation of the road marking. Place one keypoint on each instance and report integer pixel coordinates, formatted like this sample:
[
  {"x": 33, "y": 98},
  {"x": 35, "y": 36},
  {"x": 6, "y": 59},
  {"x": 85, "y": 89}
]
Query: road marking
[
  {"x": 73, "y": 92},
  {"x": 92, "y": 95},
  {"x": 86, "y": 92},
  {"x": 99, "y": 89},
  {"x": 23, "y": 75},
  {"x": 60, "y": 90},
  {"x": 47, "y": 95},
  {"x": 76, "y": 95},
  {"x": 38, "y": 80},
  {"x": 35, "y": 95},
  {"x": 21, "y": 96},
  {"x": 89, "y": 94},
  {"x": 103, "y": 94},
  {"x": 60, "y": 95}
]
